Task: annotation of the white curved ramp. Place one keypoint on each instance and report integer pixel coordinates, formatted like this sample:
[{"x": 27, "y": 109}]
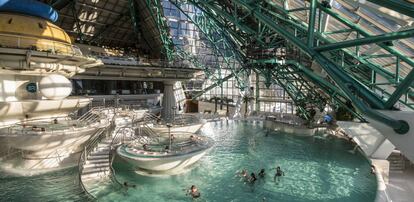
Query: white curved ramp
[
  {"x": 378, "y": 140},
  {"x": 372, "y": 142},
  {"x": 404, "y": 142}
]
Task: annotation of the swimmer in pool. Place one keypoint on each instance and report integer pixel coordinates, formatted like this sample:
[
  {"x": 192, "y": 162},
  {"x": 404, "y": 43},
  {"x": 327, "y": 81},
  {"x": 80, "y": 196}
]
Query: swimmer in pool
[
  {"x": 262, "y": 173},
  {"x": 193, "y": 191},
  {"x": 252, "y": 178},
  {"x": 243, "y": 175},
  {"x": 279, "y": 173}
]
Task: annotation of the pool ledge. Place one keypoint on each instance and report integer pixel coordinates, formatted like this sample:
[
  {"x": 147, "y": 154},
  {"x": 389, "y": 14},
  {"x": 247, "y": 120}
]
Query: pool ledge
[
  {"x": 292, "y": 128},
  {"x": 381, "y": 172}
]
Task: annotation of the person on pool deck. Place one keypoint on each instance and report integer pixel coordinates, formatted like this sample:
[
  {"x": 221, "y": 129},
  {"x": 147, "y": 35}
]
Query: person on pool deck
[
  {"x": 194, "y": 192},
  {"x": 262, "y": 173},
  {"x": 145, "y": 147},
  {"x": 278, "y": 174}
]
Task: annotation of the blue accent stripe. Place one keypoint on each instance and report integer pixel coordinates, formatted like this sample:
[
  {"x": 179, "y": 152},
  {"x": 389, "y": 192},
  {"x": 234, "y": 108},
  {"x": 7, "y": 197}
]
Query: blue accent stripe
[{"x": 29, "y": 7}]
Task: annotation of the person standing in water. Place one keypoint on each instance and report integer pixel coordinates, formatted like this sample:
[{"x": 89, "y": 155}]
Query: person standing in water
[
  {"x": 279, "y": 173},
  {"x": 253, "y": 178},
  {"x": 262, "y": 173}
]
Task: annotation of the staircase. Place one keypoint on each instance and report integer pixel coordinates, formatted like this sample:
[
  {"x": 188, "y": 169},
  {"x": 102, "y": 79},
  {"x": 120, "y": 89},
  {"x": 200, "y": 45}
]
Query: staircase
[
  {"x": 97, "y": 164},
  {"x": 397, "y": 161}
]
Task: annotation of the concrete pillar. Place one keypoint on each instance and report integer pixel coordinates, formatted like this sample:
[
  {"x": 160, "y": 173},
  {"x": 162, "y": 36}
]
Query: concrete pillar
[{"x": 168, "y": 101}]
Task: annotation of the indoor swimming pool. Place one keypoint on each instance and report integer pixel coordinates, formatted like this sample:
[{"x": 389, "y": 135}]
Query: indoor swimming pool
[{"x": 316, "y": 168}]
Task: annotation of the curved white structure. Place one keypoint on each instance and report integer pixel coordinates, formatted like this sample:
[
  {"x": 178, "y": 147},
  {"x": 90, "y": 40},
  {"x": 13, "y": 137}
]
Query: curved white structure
[
  {"x": 190, "y": 128},
  {"x": 189, "y": 123},
  {"x": 55, "y": 87},
  {"x": 157, "y": 158}
]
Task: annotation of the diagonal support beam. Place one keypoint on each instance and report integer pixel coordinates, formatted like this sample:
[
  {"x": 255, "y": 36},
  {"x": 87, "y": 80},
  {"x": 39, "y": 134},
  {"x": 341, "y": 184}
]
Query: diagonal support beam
[
  {"x": 107, "y": 27},
  {"x": 401, "y": 89},
  {"x": 347, "y": 84},
  {"x": 403, "y": 7},
  {"x": 217, "y": 83},
  {"x": 311, "y": 27},
  {"x": 367, "y": 40}
]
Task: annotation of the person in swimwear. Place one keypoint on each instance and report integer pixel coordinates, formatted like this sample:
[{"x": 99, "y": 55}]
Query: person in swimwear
[
  {"x": 194, "y": 192},
  {"x": 279, "y": 173},
  {"x": 262, "y": 173},
  {"x": 253, "y": 178}
]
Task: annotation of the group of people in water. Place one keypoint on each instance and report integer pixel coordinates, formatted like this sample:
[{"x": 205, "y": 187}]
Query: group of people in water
[{"x": 244, "y": 174}]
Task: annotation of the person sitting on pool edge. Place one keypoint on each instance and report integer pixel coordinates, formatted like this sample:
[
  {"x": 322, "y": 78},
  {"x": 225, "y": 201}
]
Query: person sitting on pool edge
[
  {"x": 194, "y": 192},
  {"x": 278, "y": 173}
]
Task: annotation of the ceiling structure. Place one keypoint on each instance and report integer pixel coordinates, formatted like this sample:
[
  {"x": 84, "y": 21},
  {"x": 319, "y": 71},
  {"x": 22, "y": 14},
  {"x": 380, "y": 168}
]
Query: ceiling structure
[
  {"x": 320, "y": 51},
  {"x": 126, "y": 24}
]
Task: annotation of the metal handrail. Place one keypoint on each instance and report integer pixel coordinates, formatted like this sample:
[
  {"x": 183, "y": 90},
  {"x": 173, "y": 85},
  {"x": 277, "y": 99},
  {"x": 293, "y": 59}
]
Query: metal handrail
[
  {"x": 94, "y": 140},
  {"x": 46, "y": 45},
  {"x": 90, "y": 145}
]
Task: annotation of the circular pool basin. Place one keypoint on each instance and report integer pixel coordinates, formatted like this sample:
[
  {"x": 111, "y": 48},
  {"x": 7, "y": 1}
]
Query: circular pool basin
[{"x": 316, "y": 168}]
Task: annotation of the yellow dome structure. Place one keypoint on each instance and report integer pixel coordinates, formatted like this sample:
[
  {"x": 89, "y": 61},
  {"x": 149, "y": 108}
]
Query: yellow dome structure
[{"x": 28, "y": 32}]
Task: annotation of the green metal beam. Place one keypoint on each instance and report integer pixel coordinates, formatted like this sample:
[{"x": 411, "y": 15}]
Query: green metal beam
[
  {"x": 217, "y": 83},
  {"x": 403, "y": 7},
  {"x": 364, "y": 33},
  {"x": 367, "y": 40},
  {"x": 346, "y": 83},
  {"x": 400, "y": 90},
  {"x": 311, "y": 25}
]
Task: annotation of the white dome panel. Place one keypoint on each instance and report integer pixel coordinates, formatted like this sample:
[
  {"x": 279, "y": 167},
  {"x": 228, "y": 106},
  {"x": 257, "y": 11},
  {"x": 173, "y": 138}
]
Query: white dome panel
[{"x": 55, "y": 87}]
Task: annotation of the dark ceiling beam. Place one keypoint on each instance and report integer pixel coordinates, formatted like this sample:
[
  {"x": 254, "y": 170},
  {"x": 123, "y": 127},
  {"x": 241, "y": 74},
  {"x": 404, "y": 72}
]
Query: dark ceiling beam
[
  {"x": 100, "y": 24},
  {"x": 108, "y": 26},
  {"x": 60, "y": 4},
  {"x": 98, "y": 8}
]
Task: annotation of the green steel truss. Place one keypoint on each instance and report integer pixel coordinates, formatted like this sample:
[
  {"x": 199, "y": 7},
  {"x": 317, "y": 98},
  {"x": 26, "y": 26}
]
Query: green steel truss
[{"x": 302, "y": 56}]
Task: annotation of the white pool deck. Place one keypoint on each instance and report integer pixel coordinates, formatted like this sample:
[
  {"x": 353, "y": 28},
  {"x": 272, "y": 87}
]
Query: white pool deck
[
  {"x": 400, "y": 187},
  {"x": 393, "y": 186}
]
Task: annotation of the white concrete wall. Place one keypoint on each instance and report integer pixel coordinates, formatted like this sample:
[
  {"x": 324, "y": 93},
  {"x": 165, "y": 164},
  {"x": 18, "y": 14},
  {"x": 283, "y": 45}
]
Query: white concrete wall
[{"x": 13, "y": 87}]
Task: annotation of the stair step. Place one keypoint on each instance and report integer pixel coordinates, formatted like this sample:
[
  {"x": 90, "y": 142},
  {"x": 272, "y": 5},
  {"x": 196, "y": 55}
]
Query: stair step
[
  {"x": 98, "y": 156},
  {"x": 102, "y": 160},
  {"x": 95, "y": 170},
  {"x": 96, "y": 164},
  {"x": 99, "y": 152},
  {"x": 93, "y": 176}
]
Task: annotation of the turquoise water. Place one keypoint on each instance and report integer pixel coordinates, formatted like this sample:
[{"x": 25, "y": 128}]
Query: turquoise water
[
  {"x": 316, "y": 169},
  {"x": 57, "y": 186}
]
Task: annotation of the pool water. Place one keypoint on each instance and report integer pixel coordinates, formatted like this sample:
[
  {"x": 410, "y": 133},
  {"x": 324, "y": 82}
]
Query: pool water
[{"x": 316, "y": 168}]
